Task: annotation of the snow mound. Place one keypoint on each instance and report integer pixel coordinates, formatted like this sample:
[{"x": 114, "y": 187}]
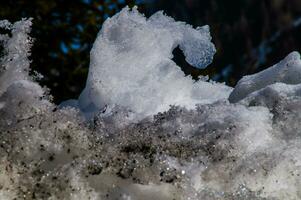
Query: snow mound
[
  {"x": 287, "y": 71},
  {"x": 131, "y": 65}
]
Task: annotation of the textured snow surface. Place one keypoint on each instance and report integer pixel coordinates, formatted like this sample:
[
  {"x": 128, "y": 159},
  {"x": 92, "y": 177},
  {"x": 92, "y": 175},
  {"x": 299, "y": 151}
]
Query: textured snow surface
[
  {"x": 287, "y": 71},
  {"x": 131, "y": 65},
  {"x": 213, "y": 150}
]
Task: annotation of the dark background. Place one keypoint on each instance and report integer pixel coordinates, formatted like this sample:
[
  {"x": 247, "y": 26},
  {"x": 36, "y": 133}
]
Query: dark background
[{"x": 249, "y": 35}]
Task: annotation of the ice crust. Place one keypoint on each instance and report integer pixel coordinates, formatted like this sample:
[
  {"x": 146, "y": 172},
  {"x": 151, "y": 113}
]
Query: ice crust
[
  {"x": 215, "y": 150},
  {"x": 131, "y": 65}
]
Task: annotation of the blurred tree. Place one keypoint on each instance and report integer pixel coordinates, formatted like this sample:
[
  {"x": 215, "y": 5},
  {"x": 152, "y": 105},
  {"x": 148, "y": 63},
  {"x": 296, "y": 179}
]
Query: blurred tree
[{"x": 64, "y": 32}]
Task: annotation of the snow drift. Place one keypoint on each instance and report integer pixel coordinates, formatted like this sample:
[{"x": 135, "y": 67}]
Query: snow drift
[{"x": 136, "y": 146}]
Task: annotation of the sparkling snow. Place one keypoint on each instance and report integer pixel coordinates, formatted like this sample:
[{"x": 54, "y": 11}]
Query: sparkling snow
[
  {"x": 131, "y": 66},
  {"x": 134, "y": 145}
]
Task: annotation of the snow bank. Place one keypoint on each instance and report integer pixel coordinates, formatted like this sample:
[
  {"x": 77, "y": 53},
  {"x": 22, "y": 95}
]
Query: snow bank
[{"x": 213, "y": 150}]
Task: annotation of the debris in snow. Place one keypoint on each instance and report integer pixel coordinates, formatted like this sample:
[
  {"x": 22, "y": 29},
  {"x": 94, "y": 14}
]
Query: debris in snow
[{"x": 215, "y": 150}]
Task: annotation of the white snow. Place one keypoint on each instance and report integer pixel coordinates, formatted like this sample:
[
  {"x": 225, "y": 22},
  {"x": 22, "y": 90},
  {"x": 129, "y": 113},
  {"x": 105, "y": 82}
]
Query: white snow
[
  {"x": 14, "y": 71},
  {"x": 131, "y": 65},
  {"x": 287, "y": 71}
]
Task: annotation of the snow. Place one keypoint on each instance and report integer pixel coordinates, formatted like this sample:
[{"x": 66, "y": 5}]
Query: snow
[
  {"x": 201, "y": 147},
  {"x": 287, "y": 71},
  {"x": 131, "y": 65},
  {"x": 16, "y": 62}
]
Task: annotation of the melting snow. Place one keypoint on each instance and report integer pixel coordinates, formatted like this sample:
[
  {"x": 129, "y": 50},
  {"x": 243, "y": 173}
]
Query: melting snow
[{"x": 137, "y": 146}]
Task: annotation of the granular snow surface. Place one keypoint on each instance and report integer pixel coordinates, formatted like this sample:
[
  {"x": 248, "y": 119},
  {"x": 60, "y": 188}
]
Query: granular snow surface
[{"x": 141, "y": 129}]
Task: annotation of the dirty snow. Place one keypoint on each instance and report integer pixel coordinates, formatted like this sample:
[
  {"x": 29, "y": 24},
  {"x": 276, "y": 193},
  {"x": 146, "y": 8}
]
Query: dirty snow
[{"x": 133, "y": 145}]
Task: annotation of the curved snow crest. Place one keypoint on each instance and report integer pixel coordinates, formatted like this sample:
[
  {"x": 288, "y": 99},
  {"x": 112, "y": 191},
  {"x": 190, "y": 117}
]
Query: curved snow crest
[{"x": 131, "y": 66}]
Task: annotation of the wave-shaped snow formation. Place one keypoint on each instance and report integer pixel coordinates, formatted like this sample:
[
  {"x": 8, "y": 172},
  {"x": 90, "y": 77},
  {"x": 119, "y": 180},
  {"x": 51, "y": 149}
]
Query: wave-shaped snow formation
[
  {"x": 214, "y": 150},
  {"x": 131, "y": 65}
]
